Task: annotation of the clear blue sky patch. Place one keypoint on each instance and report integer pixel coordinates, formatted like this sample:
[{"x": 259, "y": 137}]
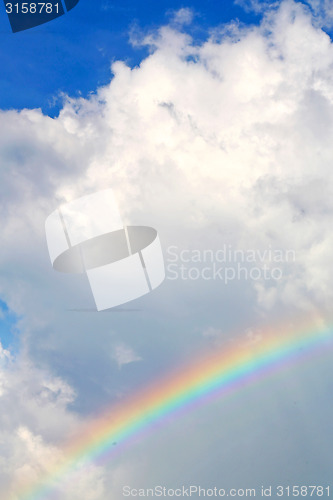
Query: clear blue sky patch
[{"x": 9, "y": 335}]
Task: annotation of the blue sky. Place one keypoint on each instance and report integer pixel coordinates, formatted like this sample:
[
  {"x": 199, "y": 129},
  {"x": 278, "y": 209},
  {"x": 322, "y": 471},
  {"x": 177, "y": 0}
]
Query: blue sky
[
  {"x": 9, "y": 333},
  {"x": 72, "y": 54},
  {"x": 212, "y": 140}
]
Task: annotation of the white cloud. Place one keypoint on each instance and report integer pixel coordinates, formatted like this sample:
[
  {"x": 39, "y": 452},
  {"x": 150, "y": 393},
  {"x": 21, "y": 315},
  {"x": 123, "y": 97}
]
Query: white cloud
[
  {"x": 124, "y": 355},
  {"x": 182, "y": 17},
  {"x": 257, "y": 6},
  {"x": 250, "y": 123},
  {"x": 34, "y": 421},
  {"x": 322, "y": 11}
]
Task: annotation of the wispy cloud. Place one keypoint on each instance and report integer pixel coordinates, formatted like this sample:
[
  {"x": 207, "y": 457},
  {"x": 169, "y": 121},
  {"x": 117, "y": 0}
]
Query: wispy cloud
[{"x": 124, "y": 355}]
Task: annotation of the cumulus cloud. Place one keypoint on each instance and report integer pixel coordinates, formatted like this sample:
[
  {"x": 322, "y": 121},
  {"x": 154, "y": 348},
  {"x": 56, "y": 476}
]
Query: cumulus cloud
[
  {"x": 223, "y": 142},
  {"x": 240, "y": 136},
  {"x": 223, "y": 131},
  {"x": 35, "y": 419}
]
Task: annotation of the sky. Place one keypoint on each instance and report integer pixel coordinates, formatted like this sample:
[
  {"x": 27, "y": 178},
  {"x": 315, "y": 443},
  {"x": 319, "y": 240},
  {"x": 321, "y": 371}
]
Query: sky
[
  {"x": 72, "y": 55},
  {"x": 212, "y": 122}
]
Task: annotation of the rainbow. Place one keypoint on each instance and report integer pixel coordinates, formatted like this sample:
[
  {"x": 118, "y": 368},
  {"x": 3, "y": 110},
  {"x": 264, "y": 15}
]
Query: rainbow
[{"x": 234, "y": 365}]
